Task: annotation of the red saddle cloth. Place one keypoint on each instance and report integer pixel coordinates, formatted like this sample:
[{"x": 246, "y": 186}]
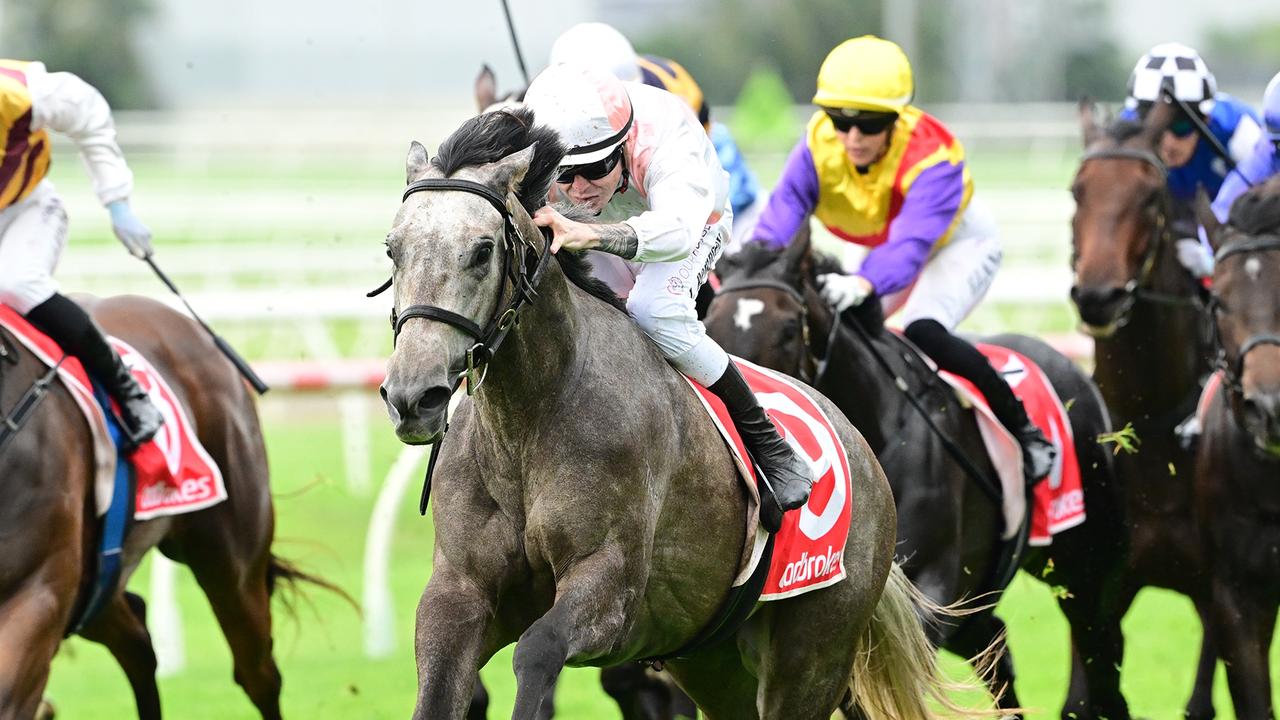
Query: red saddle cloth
[
  {"x": 809, "y": 549},
  {"x": 173, "y": 472},
  {"x": 1058, "y": 502}
]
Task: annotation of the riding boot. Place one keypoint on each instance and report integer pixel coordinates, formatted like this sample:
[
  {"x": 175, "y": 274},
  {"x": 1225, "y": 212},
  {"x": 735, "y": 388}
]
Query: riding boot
[
  {"x": 72, "y": 328},
  {"x": 957, "y": 356},
  {"x": 787, "y": 474}
]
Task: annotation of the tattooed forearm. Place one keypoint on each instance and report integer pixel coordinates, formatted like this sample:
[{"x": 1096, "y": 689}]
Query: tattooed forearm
[{"x": 618, "y": 239}]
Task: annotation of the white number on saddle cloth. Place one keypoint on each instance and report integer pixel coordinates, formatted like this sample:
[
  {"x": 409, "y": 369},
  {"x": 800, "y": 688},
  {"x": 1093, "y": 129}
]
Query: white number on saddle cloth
[{"x": 814, "y": 525}]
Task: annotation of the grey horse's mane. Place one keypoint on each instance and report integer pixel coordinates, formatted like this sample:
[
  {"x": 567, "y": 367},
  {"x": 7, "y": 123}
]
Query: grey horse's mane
[
  {"x": 1257, "y": 211},
  {"x": 491, "y": 136}
]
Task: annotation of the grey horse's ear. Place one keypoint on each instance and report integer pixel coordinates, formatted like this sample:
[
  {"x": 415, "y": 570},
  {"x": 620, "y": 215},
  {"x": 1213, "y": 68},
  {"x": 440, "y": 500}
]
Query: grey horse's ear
[
  {"x": 1204, "y": 215},
  {"x": 510, "y": 170},
  {"x": 416, "y": 164}
]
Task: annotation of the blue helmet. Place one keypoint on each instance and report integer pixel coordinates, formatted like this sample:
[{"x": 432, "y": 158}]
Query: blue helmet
[{"x": 1271, "y": 109}]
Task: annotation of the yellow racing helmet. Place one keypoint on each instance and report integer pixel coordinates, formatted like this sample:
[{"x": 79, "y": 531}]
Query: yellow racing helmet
[{"x": 865, "y": 73}]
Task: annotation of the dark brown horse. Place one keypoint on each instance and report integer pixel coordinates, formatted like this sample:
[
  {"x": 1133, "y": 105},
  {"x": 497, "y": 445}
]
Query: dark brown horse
[
  {"x": 949, "y": 526},
  {"x": 1239, "y": 455},
  {"x": 1150, "y": 356},
  {"x": 585, "y": 507},
  {"x": 50, "y": 525}
]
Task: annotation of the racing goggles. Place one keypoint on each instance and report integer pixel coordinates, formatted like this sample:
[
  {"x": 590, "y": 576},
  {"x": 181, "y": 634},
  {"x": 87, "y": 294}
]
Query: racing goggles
[
  {"x": 868, "y": 123},
  {"x": 590, "y": 171},
  {"x": 1182, "y": 127}
]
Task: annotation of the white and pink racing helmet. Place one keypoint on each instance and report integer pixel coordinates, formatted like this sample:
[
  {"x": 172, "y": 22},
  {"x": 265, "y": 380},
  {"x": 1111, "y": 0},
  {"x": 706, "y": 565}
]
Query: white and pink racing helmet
[{"x": 589, "y": 108}]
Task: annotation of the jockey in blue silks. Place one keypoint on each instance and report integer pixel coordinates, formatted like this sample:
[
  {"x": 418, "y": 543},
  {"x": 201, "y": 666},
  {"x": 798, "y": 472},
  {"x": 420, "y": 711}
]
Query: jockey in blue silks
[
  {"x": 1192, "y": 160},
  {"x": 1262, "y": 162}
]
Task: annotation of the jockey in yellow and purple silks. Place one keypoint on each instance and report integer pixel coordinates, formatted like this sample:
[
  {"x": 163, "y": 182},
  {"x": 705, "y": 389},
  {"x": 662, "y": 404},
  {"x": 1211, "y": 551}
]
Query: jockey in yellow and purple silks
[{"x": 881, "y": 173}]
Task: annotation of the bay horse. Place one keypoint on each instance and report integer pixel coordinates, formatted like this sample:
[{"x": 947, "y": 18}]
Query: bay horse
[
  {"x": 1150, "y": 356},
  {"x": 51, "y": 527},
  {"x": 585, "y": 507},
  {"x": 1238, "y": 458},
  {"x": 949, "y": 524}
]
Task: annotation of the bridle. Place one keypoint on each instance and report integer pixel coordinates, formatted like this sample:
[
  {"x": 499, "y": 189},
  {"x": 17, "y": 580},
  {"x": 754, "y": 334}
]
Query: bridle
[
  {"x": 812, "y": 367},
  {"x": 524, "y": 286},
  {"x": 525, "y": 275},
  {"x": 1138, "y": 288},
  {"x": 1233, "y": 373}
]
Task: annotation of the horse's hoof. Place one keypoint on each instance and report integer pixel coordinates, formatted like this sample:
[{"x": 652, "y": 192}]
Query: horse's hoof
[{"x": 46, "y": 711}]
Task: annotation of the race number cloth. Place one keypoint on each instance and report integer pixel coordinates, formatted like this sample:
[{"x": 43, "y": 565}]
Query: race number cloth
[
  {"x": 174, "y": 473},
  {"x": 1059, "y": 501},
  {"x": 808, "y": 551}
]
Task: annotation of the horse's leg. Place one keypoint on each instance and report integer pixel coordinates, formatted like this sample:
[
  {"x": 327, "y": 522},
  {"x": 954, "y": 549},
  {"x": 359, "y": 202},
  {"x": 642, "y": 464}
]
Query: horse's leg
[
  {"x": 716, "y": 679},
  {"x": 640, "y": 696},
  {"x": 32, "y": 620},
  {"x": 977, "y": 635},
  {"x": 586, "y": 619},
  {"x": 122, "y": 628},
  {"x": 454, "y": 637},
  {"x": 1243, "y": 627},
  {"x": 1097, "y": 644},
  {"x": 479, "y": 708},
  {"x": 1200, "y": 704},
  {"x": 233, "y": 572}
]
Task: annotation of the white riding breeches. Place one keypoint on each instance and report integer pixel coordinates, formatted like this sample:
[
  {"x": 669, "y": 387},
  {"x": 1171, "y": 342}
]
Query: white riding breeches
[
  {"x": 660, "y": 298},
  {"x": 33, "y": 233},
  {"x": 956, "y": 277}
]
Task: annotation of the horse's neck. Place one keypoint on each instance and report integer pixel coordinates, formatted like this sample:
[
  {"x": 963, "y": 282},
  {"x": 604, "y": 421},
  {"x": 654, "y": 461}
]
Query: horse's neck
[
  {"x": 1152, "y": 364},
  {"x": 873, "y": 401},
  {"x": 531, "y": 368}
]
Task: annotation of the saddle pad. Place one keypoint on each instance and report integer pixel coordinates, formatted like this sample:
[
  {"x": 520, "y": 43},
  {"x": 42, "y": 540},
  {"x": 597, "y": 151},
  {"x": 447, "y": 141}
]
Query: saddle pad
[
  {"x": 1058, "y": 502},
  {"x": 174, "y": 473},
  {"x": 809, "y": 548}
]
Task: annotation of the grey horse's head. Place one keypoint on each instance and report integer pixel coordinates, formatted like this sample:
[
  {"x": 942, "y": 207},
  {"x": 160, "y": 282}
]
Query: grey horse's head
[{"x": 448, "y": 249}]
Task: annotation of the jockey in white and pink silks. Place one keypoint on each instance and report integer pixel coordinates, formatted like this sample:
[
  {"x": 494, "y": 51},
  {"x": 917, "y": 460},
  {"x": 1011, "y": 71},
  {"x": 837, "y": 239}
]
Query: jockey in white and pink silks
[{"x": 639, "y": 159}]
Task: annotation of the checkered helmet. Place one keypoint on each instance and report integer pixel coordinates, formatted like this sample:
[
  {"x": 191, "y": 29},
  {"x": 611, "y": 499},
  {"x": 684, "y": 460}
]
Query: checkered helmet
[{"x": 1177, "y": 65}]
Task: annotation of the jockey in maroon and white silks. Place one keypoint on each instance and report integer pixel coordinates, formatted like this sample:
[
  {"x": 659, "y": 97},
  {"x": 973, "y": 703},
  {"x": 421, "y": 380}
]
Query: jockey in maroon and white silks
[
  {"x": 33, "y": 223},
  {"x": 642, "y": 163}
]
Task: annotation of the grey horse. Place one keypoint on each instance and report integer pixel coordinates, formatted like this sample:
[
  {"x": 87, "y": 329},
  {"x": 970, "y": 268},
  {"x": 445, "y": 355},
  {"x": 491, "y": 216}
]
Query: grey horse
[{"x": 585, "y": 506}]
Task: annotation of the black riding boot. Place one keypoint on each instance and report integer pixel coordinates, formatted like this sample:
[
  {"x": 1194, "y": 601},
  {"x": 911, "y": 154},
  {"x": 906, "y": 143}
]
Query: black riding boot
[
  {"x": 787, "y": 473},
  {"x": 70, "y": 326},
  {"x": 955, "y": 355}
]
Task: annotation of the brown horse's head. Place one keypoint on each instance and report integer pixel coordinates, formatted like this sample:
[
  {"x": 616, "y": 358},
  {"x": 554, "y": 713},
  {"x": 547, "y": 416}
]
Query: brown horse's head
[
  {"x": 1121, "y": 207},
  {"x": 766, "y": 309},
  {"x": 455, "y": 260},
  {"x": 1246, "y": 289}
]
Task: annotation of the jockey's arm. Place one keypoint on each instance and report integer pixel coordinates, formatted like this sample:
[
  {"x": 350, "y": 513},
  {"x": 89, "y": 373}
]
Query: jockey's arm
[
  {"x": 62, "y": 102},
  {"x": 1252, "y": 170},
  {"x": 931, "y": 206},
  {"x": 791, "y": 201}
]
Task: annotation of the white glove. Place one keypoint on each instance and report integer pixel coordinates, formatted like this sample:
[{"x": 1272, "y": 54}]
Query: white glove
[
  {"x": 1195, "y": 257},
  {"x": 844, "y": 291},
  {"x": 130, "y": 230}
]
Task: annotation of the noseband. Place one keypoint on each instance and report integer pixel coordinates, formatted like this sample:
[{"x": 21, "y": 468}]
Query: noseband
[
  {"x": 1234, "y": 372},
  {"x": 810, "y": 366},
  {"x": 524, "y": 283}
]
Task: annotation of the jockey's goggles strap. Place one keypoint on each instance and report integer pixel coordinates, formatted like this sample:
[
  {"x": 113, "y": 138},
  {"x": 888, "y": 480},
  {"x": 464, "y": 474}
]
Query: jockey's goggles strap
[{"x": 610, "y": 141}]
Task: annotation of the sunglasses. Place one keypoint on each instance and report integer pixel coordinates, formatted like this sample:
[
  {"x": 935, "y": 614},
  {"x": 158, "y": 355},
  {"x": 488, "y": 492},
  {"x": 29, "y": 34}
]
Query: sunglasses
[
  {"x": 590, "y": 171},
  {"x": 867, "y": 123}
]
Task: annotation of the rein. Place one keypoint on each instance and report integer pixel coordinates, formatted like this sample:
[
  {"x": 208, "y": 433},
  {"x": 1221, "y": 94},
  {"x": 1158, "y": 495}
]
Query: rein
[
  {"x": 1233, "y": 373},
  {"x": 487, "y": 339}
]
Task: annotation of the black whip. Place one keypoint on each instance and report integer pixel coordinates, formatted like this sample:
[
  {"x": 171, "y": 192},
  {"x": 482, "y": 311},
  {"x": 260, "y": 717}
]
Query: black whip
[{"x": 515, "y": 42}]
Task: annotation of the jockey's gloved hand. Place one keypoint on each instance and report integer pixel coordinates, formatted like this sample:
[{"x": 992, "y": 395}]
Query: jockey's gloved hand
[
  {"x": 135, "y": 236},
  {"x": 843, "y": 291},
  {"x": 1195, "y": 257}
]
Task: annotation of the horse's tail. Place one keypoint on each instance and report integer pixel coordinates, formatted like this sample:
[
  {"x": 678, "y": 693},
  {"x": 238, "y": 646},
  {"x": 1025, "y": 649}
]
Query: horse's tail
[
  {"x": 897, "y": 674},
  {"x": 286, "y": 576}
]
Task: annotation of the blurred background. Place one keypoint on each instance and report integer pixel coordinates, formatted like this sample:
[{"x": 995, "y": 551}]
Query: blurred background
[{"x": 268, "y": 143}]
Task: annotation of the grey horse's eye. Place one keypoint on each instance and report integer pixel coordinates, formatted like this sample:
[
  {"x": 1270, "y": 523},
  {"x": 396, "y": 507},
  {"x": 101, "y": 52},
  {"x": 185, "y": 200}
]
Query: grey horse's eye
[{"x": 482, "y": 253}]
